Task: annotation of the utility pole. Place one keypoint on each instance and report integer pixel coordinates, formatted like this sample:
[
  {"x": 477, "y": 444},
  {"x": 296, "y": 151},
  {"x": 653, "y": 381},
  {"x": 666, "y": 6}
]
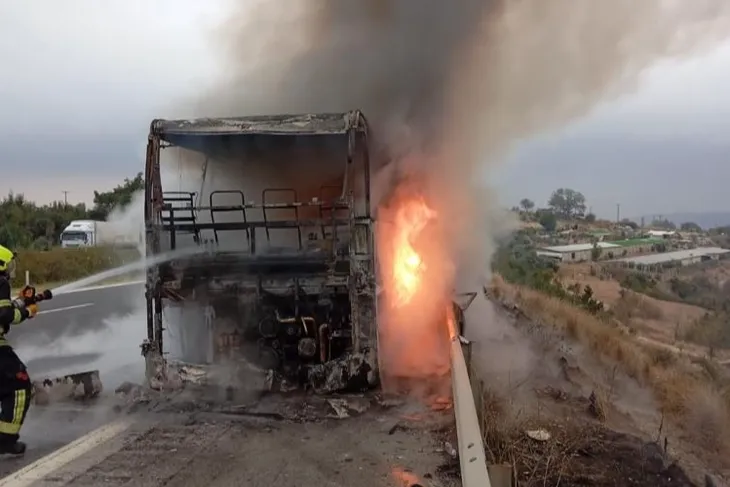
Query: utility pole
[
  {"x": 618, "y": 212},
  {"x": 65, "y": 198}
]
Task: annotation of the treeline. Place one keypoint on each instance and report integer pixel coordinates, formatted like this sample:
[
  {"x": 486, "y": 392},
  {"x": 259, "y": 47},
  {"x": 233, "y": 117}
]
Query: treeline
[
  {"x": 26, "y": 225},
  {"x": 569, "y": 204},
  {"x": 518, "y": 263}
]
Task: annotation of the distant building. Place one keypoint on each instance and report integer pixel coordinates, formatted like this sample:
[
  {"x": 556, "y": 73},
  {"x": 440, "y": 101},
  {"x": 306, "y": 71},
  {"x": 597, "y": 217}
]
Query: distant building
[
  {"x": 663, "y": 233},
  {"x": 679, "y": 257},
  {"x": 633, "y": 246},
  {"x": 580, "y": 252}
]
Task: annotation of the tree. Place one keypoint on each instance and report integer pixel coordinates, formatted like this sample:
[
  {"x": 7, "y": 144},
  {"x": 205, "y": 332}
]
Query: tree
[
  {"x": 690, "y": 227},
  {"x": 590, "y": 217},
  {"x": 633, "y": 225},
  {"x": 567, "y": 203},
  {"x": 527, "y": 204},
  {"x": 26, "y": 225},
  {"x": 720, "y": 230},
  {"x": 596, "y": 252},
  {"x": 118, "y": 197},
  {"x": 663, "y": 224},
  {"x": 548, "y": 220}
]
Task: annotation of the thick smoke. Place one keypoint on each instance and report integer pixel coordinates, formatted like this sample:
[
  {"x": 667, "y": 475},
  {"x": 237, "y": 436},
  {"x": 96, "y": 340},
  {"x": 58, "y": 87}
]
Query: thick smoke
[
  {"x": 459, "y": 81},
  {"x": 448, "y": 86},
  {"x": 129, "y": 221}
]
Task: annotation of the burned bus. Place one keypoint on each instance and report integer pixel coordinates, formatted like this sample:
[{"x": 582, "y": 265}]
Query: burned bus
[{"x": 270, "y": 256}]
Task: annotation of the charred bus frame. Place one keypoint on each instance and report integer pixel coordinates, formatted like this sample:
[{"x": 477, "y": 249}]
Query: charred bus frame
[{"x": 168, "y": 214}]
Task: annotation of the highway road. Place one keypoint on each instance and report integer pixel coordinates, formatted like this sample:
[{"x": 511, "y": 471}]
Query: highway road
[
  {"x": 98, "y": 328},
  {"x": 180, "y": 442},
  {"x": 78, "y": 312}
]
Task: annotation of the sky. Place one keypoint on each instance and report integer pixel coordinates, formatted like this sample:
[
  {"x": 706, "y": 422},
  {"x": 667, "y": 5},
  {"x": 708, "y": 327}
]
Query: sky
[{"x": 82, "y": 79}]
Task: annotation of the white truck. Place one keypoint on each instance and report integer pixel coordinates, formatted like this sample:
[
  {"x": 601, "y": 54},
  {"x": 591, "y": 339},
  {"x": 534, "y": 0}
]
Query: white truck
[{"x": 91, "y": 233}]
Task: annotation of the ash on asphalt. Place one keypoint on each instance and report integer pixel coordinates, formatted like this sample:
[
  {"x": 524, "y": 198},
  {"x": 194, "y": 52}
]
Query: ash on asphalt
[{"x": 310, "y": 440}]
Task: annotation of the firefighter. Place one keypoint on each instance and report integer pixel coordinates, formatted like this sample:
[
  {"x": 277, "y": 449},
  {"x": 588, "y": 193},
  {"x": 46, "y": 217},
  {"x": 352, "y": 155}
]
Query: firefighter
[{"x": 15, "y": 386}]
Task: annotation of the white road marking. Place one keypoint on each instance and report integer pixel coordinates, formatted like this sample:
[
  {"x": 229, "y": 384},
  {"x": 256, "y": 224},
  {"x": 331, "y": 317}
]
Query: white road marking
[
  {"x": 63, "y": 456},
  {"x": 103, "y": 286},
  {"x": 66, "y": 308}
]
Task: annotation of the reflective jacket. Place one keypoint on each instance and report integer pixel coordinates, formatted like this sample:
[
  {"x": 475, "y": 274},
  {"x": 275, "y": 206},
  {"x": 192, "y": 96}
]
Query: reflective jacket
[{"x": 9, "y": 314}]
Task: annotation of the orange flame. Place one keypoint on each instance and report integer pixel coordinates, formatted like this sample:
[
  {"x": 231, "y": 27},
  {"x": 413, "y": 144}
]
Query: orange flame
[
  {"x": 451, "y": 322},
  {"x": 414, "y": 348},
  {"x": 404, "y": 478},
  {"x": 408, "y": 265}
]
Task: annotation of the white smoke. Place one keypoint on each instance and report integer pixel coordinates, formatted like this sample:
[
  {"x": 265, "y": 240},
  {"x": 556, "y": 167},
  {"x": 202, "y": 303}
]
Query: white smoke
[
  {"x": 114, "y": 346},
  {"x": 128, "y": 222}
]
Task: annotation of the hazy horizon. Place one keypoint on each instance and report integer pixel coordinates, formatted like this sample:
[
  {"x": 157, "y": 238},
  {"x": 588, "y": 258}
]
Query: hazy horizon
[{"x": 76, "y": 113}]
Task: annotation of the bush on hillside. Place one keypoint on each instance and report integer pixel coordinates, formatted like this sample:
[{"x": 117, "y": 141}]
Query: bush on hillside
[
  {"x": 518, "y": 263},
  {"x": 63, "y": 265},
  {"x": 636, "y": 281}
]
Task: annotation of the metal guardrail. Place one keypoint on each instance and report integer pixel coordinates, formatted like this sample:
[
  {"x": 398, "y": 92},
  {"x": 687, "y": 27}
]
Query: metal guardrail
[{"x": 473, "y": 462}]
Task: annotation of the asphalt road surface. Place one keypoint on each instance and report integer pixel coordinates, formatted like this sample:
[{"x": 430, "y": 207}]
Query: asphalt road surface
[
  {"x": 76, "y": 332},
  {"x": 78, "y": 312},
  {"x": 382, "y": 446},
  {"x": 182, "y": 442}
]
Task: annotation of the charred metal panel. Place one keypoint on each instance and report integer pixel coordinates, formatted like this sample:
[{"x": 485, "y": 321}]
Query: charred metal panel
[
  {"x": 302, "y": 124},
  {"x": 362, "y": 283},
  {"x": 302, "y": 306},
  {"x": 153, "y": 202}
]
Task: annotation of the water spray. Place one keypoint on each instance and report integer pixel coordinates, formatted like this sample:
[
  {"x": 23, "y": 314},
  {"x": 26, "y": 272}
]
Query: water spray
[
  {"x": 142, "y": 264},
  {"x": 86, "y": 384}
]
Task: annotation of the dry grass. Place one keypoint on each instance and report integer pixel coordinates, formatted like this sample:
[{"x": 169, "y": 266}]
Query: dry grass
[
  {"x": 506, "y": 442},
  {"x": 675, "y": 387},
  {"x": 706, "y": 419},
  {"x": 658, "y": 319},
  {"x": 717, "y": 272},
  {"x": 576, "y": 450},
  {"x": 633, "y": 305}
]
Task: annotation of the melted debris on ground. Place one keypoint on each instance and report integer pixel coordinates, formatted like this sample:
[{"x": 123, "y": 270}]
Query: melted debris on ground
[{"x": 394, "y": 433}]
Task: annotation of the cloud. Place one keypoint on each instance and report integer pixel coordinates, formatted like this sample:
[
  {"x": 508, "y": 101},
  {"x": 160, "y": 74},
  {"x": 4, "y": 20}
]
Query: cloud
[
  {"x": 661, "y": 149},
  {"x": 644, "y": 175},
  {"x": 82, "y": 79}
]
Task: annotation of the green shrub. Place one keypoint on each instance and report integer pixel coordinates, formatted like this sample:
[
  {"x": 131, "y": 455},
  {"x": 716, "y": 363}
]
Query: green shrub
[
  {"x": 518, "y": 263},
  {"x": 638, "y": 282}
]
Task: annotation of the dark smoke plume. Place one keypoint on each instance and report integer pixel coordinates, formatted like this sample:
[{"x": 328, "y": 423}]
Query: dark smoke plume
[
  {"x": 448, "y": 88},
  {"x": 456, "y": 82}
]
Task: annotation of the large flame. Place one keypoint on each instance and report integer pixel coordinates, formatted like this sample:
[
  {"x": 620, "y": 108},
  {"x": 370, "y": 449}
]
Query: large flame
[
  {"x": 415, "y": 274},
  {"x": 408, "y": 265}
]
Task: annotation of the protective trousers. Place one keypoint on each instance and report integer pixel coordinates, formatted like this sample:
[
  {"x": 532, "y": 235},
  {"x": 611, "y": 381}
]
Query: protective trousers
[{"x": 15, "y": 391}]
